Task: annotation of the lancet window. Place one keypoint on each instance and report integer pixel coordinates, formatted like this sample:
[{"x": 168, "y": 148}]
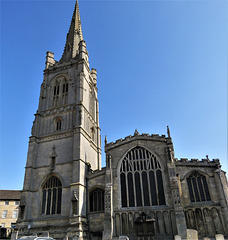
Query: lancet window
[
  {"x": 96, "y": 200},
  {"x": 56, "y": 95},
  {"x": 198, "y": 188},
  {"x": 65, "y": 93},
  {"x": 58, "y": 124},
  {"x": 51, "y": 196},
  {"x": 141, "y": 179}
]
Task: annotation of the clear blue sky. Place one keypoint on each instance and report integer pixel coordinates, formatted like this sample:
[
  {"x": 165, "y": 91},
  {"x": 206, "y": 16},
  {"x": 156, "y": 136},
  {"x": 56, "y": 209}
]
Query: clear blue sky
[{"x": 159, "y": 63}]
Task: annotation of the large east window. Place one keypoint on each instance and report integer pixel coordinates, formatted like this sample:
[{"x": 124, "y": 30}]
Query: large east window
[
  {"x": 51, "y": 196},
  {"x": 141, "y": 179},
  {"x": 198, "y": 188}
]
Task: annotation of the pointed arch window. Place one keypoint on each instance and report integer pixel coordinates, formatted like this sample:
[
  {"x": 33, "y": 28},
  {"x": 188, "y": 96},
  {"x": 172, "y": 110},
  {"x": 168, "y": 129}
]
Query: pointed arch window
[
  {"x": 96, "y": 200},
  {"x": 141, "y": 179},
  {"x": 51, "y": 196},
  {"x": 198, "y": 188},
  {"x": 65, "y": 93},
  {"x": 58, "y": 124},
  {"x": 56, "y": 95}
]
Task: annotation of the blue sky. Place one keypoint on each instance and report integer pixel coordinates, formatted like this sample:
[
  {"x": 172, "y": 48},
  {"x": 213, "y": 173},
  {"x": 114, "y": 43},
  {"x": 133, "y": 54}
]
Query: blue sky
[{"x": 159, "y": 63}]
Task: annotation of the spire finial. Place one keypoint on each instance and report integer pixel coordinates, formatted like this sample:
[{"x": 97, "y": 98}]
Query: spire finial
[
  {"x": 105, "y": 140},
  {"x": 168, "y": 132}
]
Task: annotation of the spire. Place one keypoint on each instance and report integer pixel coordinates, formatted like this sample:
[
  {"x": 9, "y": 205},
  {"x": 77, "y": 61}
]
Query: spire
[{"x": 74, "y": 36}]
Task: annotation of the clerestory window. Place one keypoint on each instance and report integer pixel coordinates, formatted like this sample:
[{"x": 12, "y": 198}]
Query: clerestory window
[
  {"x": 51, "y": 196},
  {"x": 198, "y": 188},
  {"x": 141, "y": 179},
  {"x": 96, "y": 200}
]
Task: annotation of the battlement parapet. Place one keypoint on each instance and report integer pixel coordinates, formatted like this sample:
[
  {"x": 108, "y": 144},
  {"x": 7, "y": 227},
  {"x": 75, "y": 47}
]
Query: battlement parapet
[
  {"x": 143, "y": 136},
  {"x": 198, "y": 162}
]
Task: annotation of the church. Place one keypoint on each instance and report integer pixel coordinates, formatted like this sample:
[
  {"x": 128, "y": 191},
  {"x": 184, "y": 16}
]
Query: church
[{"x": 143, "y": 192}]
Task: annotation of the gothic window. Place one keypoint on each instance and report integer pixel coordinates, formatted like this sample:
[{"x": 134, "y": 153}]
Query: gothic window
[
  {"x": 58, "y": 124},
  {"x": 198, "y": 188},
  {"x": 65, "y": 93},
  {"x": 96, "y": 200},
  {"x": 51, "y": 196},
  {"x": 56, "y": 95},
  {"x": 141, "y": 179}
]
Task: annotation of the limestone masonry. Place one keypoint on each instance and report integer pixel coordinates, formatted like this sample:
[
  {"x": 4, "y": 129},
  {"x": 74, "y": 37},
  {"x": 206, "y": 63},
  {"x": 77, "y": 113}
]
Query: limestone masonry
[{"x": 144, "y": 192}]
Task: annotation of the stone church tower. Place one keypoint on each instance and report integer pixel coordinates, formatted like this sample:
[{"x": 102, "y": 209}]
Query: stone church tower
[
  {"x": 65, "y": 141},
  {"x": 143, "y": 192}
]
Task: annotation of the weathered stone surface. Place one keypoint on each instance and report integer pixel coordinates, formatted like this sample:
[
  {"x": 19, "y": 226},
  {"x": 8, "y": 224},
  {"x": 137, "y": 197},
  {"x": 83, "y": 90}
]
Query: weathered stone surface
[
  {"x": 192, "y": 234},
  {"x": 123, "y": 238},
  {"x": 177, "y": 237},
  {"x": 219, "y": 237}
]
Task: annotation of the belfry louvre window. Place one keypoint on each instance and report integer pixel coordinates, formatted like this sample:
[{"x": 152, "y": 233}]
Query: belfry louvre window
[
  {"x": 65, "y": 93},
  {"x": 141, "y": 179},
  {"x": 198, "y": 189},
  {"x": 56, "y": 95},
  {"x": 96, "y": 200},
  {"x": 51, "y": 196}
]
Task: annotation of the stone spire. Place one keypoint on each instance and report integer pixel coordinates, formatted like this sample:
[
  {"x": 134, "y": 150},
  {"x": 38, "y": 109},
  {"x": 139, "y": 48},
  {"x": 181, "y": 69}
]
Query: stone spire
[{"x": 74, "y": 36}]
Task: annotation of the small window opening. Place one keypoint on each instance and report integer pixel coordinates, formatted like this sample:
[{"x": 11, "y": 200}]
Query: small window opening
[{"x": 58, "y": 124}]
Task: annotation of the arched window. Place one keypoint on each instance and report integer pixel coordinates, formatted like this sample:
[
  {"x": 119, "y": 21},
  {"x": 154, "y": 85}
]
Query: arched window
[
  {"x": 51, "y": 196},
  {"x": 58, "y": 124},
  {"x": 56, "y": 95},
  {"x": 198, "y": 189},
  {"x": 65, "y": 93},
  {"x": 141, "y": 179},
  {"x": 96, "y": 200}
]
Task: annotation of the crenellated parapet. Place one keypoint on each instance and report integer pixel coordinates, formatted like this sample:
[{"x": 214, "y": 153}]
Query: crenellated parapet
[
  {"x": 196, "y": 162},
  {"x": 137, "y": 136}
]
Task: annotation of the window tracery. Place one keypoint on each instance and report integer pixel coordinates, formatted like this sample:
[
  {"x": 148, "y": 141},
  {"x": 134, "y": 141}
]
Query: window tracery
[
  {"x": 141, "y": 179},
  {"x": 198, "y": 188},
  {"x": 96, "y": 200},
  {"x": 51, "y": 196}
]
